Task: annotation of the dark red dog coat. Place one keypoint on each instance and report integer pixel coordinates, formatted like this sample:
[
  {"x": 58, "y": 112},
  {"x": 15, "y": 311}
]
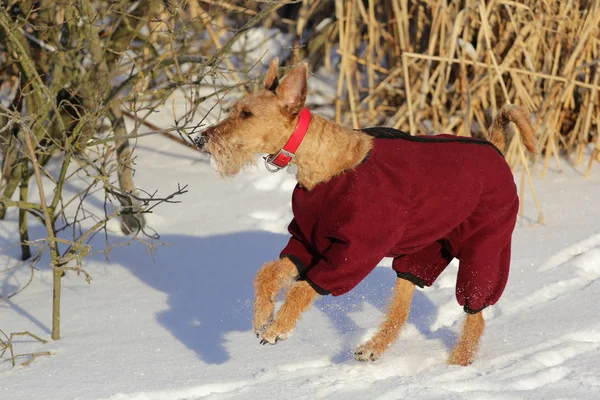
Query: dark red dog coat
[{"x": 421, "y": 200}]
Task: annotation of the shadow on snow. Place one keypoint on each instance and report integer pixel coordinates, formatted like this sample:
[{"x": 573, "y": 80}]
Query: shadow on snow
[{"x": 208, "y": 281}]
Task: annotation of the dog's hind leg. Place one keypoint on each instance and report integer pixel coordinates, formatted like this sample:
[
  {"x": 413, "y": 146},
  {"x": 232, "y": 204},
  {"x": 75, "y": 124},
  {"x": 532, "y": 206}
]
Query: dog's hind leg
[
  {"x": 269, "y": 281},
  {"x": 388, "y": 332},
  {"x": 467, "y": 345},
  {"x": 298, "y": 299}
]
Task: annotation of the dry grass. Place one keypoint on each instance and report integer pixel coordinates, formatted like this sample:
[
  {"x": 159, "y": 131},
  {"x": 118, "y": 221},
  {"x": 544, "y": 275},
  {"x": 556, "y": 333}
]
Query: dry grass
[{"x": 451, "y": 65}]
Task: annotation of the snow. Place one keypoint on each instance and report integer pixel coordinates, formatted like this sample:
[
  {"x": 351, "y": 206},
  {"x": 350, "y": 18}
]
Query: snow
[
  {"x": 175, "y": 323},
  {"x": 262, "y": 43}
]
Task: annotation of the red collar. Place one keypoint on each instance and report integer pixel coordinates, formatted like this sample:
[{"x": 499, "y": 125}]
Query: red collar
[{"x": 276, "y": 162}]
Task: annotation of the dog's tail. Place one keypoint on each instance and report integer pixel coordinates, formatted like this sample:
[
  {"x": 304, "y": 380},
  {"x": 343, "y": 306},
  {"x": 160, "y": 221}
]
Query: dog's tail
[{"x": 511, "y": 113}]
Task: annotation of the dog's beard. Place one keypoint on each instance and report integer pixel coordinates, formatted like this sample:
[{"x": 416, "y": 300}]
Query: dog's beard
[{"x": 228, "y": 160}]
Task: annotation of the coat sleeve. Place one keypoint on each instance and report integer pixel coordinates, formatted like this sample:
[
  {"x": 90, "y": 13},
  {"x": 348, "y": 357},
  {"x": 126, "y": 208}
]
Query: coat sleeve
[
  {"x": 361, "y": 228},
  {"x": 297, "y": 250}
]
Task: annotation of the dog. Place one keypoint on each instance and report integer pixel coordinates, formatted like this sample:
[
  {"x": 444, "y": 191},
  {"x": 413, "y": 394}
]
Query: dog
[{"x": 366, "y": 194}]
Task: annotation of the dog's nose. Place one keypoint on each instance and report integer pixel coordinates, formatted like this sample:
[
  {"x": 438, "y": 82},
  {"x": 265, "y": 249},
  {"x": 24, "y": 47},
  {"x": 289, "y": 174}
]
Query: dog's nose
[{"x": 201, "y": 140}]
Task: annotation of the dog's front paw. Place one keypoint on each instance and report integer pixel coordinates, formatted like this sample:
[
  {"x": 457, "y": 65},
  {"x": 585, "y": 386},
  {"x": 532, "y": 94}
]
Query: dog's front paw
[
  {"x": 366, "y": 352},
  {"x": 272, "y": 336},
  {"x": 263, "y": 316},
  {"x": 260, "y": 328}
]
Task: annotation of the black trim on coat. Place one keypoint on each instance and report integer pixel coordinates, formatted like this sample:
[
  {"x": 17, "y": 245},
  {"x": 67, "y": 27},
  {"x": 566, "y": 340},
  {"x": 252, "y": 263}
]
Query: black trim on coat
[
  {"x": 391, "y": 133},
  {"x": 317, "y": 289},
  {"x": 411, "y": 278},
  {"x": 302, "y": 269},
  {"x": 469, "y": 311}
]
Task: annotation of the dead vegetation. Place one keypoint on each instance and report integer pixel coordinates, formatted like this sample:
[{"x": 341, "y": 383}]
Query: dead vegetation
[
  {"x": 451, "y": 65},
  {"x": 69, "y": 74}
]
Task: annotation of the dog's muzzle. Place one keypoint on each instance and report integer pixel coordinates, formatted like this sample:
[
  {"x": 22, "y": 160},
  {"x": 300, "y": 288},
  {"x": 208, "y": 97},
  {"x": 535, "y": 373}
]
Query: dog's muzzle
[{"x": 200, "y": 141}]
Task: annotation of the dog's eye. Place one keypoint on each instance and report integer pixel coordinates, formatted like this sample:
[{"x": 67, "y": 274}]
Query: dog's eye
[{"x": 245, "y": 114}]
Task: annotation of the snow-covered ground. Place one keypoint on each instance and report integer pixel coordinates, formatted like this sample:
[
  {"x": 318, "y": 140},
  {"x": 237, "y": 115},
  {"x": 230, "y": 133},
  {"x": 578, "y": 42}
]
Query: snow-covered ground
[{"x": 176, "y": 324}]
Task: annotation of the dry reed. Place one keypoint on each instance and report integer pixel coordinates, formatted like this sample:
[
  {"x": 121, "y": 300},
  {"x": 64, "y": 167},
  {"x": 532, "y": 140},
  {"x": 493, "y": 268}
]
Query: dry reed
[{"x": 448, "y": 66}]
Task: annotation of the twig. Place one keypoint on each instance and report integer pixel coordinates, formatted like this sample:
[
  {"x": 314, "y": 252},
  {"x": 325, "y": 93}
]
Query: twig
[
  {"x": 50, "y": 231},
  {"x": 7, "y": 345},
  {"x": 162, "y": 132}
]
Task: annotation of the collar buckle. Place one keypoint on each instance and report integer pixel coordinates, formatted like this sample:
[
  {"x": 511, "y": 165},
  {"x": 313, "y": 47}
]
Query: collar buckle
[{"x": 277, "y": 162}]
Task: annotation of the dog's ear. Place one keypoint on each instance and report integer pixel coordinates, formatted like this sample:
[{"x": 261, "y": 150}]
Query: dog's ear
[
  {"x": 271, "y": 79},
  {"x": 293, "y": 88}
]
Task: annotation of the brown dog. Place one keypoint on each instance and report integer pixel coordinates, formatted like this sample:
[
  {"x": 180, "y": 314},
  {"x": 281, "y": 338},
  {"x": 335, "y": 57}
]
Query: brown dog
[{"x": 263, "y": 124}]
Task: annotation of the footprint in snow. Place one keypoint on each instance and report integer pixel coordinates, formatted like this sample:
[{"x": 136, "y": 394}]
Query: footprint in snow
[{"x": 581, "y": 260}]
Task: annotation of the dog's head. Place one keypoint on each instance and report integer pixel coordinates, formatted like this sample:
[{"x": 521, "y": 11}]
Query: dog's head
[{"x": 257, "y": 123}]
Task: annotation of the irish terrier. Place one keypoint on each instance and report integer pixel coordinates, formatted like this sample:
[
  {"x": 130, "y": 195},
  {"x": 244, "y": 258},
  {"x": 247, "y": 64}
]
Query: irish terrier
[{"x": 367, "y": 194}]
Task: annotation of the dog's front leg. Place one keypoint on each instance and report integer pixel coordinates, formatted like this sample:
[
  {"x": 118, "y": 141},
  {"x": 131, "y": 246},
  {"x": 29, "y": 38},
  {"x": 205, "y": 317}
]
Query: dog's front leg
[
  {"x": 467, "y": 346},
  {"x": 269, "y": 281},
  {"x": 298, "y": 299},
  {"x": 388, "y": 332}
]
